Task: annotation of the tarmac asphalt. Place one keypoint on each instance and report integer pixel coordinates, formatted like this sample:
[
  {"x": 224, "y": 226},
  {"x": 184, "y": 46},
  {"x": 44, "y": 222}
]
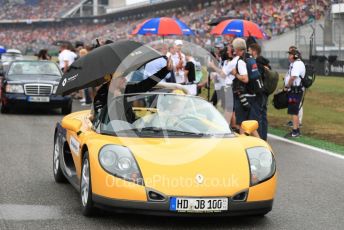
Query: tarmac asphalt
[{"x": 309, "y": 195}]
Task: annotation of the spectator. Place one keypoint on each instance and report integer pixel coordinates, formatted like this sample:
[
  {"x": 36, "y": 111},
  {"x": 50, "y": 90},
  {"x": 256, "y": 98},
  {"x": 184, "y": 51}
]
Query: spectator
[
  {"x": 66, "y": 57},
  {"x": 226, "y": 92},
  {"x": 86, "y": 100},
  {"x": 189, "y": 70},
  {"x": 43, "y": 55},
  {"x": 178, "y": 59},
  {"x": 216, "y": 77}
]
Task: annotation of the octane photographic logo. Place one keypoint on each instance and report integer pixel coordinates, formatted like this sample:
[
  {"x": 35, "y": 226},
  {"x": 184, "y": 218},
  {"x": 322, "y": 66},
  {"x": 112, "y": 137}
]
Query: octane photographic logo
[
  {"x": 158, "y": 145},
  {"x": 231, "y": 181}
]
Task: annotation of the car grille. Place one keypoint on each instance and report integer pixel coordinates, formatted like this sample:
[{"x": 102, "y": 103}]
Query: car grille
[{"x": 38, "y": 89}]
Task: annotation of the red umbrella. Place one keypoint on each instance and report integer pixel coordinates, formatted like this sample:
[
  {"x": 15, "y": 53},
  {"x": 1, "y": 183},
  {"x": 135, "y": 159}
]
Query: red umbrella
[{"x": 239, "y": 28}]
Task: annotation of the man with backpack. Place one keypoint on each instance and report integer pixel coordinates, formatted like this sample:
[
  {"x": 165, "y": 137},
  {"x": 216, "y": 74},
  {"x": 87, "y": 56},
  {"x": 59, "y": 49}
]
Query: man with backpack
[
  {"x": 246, "y": 85},
  {"x": 270, "y": 81},
  {"x": 293, "y": 85}
]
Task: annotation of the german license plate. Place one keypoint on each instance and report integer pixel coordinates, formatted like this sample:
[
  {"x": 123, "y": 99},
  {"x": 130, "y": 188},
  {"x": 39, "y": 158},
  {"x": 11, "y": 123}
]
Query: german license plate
[
  {"x": 198, "y": 204},
  {"x": 38, "y": 99}
]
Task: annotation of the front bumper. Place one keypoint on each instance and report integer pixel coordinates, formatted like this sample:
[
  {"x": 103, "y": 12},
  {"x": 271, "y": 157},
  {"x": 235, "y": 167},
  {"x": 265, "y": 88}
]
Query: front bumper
[
  {"x": 18, "y": 99},
  {"x": 235, "y": 208}
]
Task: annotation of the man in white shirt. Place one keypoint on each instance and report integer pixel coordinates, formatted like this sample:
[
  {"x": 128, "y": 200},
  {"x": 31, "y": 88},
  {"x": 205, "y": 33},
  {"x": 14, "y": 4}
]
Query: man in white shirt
[
  {"x": 292, "y": 84},
  {"x": 66, "y": 58},
  {"x": 179, "y": 62},
  {"x": 246, "y": 105}
]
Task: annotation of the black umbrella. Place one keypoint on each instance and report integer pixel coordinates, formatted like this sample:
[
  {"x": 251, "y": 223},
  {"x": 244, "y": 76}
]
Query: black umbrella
[{"x": 120, "y": 57}]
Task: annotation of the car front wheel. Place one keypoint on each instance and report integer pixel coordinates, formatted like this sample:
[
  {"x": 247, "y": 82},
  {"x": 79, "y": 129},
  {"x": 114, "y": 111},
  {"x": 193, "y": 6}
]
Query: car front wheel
[
  {"x": 86, "y": 188},
  {"x": 58, "y": 174}
]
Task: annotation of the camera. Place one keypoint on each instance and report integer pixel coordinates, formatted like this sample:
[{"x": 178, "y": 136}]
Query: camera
[{"x": 244, "y": 102}]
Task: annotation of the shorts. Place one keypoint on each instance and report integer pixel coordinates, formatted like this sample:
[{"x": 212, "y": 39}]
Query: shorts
[
  {"x": 294, "y": 103},
  {"x": 219, "y": 95},
  {"x": 243, "y": 115}
]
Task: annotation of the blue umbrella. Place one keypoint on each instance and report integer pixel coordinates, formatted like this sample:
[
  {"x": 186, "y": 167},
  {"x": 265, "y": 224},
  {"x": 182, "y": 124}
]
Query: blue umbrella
[{"x": 2, "y": 50}]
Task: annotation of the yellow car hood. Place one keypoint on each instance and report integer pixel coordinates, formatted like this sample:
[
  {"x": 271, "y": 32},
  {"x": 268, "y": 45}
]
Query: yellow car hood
[{"x": 192, "y": 166}]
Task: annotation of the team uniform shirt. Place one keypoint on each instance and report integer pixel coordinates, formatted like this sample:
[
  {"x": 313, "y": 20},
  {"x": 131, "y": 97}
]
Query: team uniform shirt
[
  {"x": 296, "y": 69},
  {"x": 66, "y": 55},
  {"x": 179, "y": 74}
]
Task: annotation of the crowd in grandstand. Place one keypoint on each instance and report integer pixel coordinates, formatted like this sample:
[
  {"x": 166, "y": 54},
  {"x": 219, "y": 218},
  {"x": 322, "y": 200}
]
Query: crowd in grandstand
[
  {"x": 274, "y": 17},
  {"x": 34, "y": 9}
]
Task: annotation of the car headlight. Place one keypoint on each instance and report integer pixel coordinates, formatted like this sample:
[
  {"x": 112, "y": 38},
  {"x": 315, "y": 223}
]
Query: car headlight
[
  {"x": 262, "y": 164},
  {"x": 14, "y": 88},
  {"x": 55, "y": 89},
  {"x": 120, "y": 162}
]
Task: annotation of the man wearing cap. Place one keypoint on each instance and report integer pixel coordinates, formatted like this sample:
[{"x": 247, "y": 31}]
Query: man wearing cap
[
  {"x": 179, "y": 62},
  {"x": 246, "y": 105},
  {"x": 292, "y": 84},
  {"x": 290, "y": 123}
]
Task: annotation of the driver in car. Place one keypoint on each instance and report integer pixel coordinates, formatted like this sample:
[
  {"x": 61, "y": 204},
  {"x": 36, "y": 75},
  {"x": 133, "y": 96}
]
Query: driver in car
[
  {"x": 169, "y": 110},
  {"x": 119, "y": 86}
]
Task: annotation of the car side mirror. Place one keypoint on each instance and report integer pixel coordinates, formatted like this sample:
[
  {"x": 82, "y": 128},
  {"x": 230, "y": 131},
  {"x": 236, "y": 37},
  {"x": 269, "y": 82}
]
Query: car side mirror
[
  {"x": 249, "y": 126},
  {"x": 71, "y": 124}
]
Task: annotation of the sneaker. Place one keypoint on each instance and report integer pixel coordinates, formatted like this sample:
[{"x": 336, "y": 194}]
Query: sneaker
[
  {"x": 83, "y": 100},
  {"x": 293, "y": 134},
  {"x": 289, "y": 124},
  {"x": 84, "y": 104}
]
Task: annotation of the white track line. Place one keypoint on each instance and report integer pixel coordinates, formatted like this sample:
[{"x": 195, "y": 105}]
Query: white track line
[{"x": 329, "y": 153}]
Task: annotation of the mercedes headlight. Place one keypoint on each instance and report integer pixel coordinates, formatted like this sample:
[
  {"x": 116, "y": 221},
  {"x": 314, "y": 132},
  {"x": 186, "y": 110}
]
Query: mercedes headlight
[
  {"x": 14, "y": 88},
  {"x": 262, "y": 164},
  {"x": 120, "y": 162},
  {"x": 55, "y": 89}
]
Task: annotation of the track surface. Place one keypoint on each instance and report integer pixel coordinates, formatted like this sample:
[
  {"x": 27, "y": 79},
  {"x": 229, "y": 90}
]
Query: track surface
[{"x": 310, "y": 188}]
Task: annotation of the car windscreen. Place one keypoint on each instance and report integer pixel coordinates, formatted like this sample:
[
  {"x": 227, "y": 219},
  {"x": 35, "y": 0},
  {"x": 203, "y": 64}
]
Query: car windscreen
[
  {"x": 34, "y": 68},
  {"x": 161, "y": 115}
]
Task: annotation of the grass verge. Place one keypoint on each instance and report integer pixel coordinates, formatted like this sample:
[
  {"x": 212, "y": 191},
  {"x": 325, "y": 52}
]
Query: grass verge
[
  {"x": 326, "y": 145},
  {"x": 323, "y": 120}
]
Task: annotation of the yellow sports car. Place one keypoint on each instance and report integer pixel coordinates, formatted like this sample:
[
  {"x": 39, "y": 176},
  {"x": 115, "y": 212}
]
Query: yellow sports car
[{"x": 166, "y": 154}]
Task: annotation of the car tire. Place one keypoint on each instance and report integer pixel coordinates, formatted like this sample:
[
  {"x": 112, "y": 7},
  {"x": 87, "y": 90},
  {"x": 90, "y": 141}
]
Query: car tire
[
  {"x": 87, "y": 207},
  {"x": 67, "y": 109},
  {"x": 58, "y": 174},
  {"x": 4, "y": 109}
]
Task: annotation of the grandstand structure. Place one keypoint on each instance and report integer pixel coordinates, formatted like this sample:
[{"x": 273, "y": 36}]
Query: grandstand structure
[{"x": 30, "y": 25}]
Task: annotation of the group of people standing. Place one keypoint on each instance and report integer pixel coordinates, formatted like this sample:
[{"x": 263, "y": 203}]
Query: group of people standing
[{"x": 239, "y": 80}]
